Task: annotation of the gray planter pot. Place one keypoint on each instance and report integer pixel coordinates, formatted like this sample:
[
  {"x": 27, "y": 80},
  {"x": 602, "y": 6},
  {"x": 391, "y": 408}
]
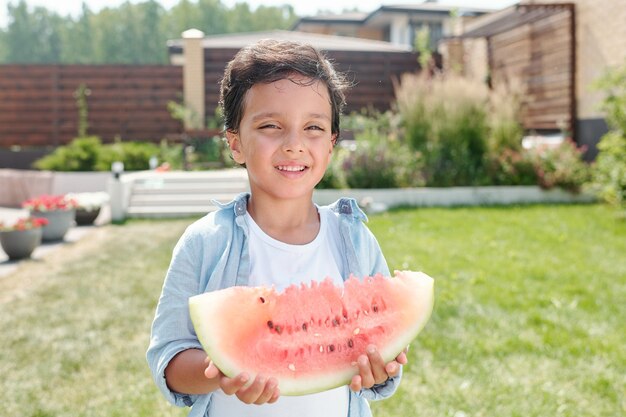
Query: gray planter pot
[
  {"x": 20, "y": 244},
  {"x": 59, "y": 222}
]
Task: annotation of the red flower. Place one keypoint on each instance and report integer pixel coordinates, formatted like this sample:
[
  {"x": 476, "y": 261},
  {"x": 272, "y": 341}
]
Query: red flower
[
  {"x": 25, "y": 223},
  {"x": 50, "y": 203}
]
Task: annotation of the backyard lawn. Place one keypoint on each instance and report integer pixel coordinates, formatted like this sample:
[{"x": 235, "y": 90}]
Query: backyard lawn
[{"x": 529, "y": 320}]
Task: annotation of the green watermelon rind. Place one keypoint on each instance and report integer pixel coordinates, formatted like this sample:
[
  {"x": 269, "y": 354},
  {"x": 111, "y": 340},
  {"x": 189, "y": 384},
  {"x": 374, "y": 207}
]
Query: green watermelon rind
[{"x": 301, "y": 385}]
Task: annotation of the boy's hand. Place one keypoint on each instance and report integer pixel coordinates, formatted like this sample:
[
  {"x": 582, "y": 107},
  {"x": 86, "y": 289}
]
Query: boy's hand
[
  {"x": 373, "y": 370},
  {"x": 260, "y": 391}
]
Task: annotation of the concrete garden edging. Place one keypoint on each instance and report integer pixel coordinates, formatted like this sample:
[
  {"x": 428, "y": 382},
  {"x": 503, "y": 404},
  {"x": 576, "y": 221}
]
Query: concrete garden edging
[{"x": 381, "y": 199}]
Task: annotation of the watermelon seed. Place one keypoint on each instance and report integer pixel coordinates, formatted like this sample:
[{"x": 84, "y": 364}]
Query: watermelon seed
[
  {"x": 292, "y": 367},
  {"x": 350, "y": 343},
  {"x": 262, "y": 300},
  {"x": 335, "y": 322},
  {"x": 321, "y": 349},
  {"x": 270, "y": 324},
  {"x": 304, "y": 326},
  {"x": 331, "y": 348},
  {"x": 375, "y": 308},
  {"x": 279, "y": 329},
  {"x": 316, "y": 334},
  {"x": 357, "y": 331}
]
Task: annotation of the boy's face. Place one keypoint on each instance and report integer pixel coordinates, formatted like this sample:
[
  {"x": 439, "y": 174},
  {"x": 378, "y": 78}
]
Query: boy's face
[{"x": 284, "y": 137}]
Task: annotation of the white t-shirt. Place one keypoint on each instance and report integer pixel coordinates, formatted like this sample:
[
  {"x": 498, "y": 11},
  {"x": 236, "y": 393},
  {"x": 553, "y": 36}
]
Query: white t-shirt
[{"x": 280, "y": 264}]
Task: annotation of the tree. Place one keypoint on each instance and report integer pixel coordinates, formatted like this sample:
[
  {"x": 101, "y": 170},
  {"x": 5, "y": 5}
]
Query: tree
[
  {"x": 32, "y": 37},
  {"x": 78, "y": 39},
  {"x": 132, "y": 33}
]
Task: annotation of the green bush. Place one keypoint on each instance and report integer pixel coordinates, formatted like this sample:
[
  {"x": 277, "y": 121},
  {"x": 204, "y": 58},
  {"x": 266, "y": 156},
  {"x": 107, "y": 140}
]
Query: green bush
[
  {"x": 172, "y": 154},
  {"x": 378, "y": 158},
  {"x": 445, "y": 120},
  {"x": 135, "y": 155},
  {"x": 82, "y": 154},
  {"x": 370, "y": 166},
  {"x": 512, "y": 167},
  {"x": 609, "y": 170},
  {"x": 205, "y": 152},
  {"x": 613, "y": 83},
  {"x": 90, "y": 154},
  {"x": 334, "y": 177},
  {"x": 560, "y": 166}
]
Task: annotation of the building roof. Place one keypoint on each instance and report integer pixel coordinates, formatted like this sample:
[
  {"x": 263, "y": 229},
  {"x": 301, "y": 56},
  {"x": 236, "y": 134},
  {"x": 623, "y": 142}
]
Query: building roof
[
  {"x": 433, "y": 8},
  {"x": 348, "y": 17},
  {"x": 323, "y": 42},
  {"x": 425, "y": 9}
]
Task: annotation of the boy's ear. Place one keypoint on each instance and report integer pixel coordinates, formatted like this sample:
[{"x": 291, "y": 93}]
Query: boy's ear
[
  {"x": 234, "y": 143},
  {"x": 333, "y": 142}
]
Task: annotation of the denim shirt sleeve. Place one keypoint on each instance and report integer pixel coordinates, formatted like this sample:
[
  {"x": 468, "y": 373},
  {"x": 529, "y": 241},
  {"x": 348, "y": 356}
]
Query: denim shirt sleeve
[
  {"x": 172, "y": 330},
  {"x": 378, "y": 264},
  {"x": 364, "y": 258}
]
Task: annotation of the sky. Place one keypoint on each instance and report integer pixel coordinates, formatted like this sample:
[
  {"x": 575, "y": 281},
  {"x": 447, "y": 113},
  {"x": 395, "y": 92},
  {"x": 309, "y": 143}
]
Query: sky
[{"x": 302, "y": 7}]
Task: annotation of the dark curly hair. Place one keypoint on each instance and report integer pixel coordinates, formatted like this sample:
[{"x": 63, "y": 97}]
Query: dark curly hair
[{"x": 270, "y": 60}]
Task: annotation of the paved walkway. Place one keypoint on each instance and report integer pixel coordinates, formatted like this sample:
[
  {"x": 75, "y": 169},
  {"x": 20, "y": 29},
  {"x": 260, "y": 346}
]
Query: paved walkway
[{"x": 9, "y": 215}]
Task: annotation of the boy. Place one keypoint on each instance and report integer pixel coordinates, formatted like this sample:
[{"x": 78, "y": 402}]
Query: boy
[{"x": 281, "y": 103}]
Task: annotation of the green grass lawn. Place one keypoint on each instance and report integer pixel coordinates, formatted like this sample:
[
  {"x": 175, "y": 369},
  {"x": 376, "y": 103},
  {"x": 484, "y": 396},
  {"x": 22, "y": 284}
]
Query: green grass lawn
[{"x": 529, "y": 320}]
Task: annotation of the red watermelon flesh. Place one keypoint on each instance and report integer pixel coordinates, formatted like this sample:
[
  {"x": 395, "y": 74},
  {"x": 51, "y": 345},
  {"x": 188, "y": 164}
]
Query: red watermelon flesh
[{"x": 309, "y": 336}]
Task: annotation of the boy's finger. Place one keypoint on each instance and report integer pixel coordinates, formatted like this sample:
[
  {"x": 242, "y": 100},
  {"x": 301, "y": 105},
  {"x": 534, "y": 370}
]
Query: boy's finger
[
  {"x": 401, "y": 358},
  {"x": 392, "y": 368},
  {"x": 355, "y": 384},
  {"x": 365, "y": 371},
  {"x": 377, "y": 365},
  {"x": 211, "y": 371},
  {"x": 275, "y": 396},
  {"x": 268, "y": 391},
  {"x": 231, "y": 385},
  {"x": 251, "y": 393}
]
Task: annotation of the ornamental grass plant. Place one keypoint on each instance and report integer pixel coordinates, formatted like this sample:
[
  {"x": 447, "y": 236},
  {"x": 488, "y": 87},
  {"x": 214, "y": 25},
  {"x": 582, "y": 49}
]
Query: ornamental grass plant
[
  {"x": 446, "y": 120},
  {"x": 450, "y": 131}
]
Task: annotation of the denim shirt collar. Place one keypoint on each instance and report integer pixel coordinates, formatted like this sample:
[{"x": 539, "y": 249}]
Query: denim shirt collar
[{"x": 349, "y": 215}]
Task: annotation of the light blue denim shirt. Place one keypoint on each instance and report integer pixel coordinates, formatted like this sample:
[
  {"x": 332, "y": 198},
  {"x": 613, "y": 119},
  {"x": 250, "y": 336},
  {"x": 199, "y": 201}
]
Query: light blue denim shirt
[{"x": 213, "y": 254}]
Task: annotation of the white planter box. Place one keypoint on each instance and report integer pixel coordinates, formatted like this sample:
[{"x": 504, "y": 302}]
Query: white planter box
[{"x": 79, "y": 182}]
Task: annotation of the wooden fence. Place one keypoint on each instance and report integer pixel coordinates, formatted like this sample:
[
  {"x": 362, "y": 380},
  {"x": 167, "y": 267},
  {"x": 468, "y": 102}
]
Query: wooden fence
[
  {"x": 539, "y": 50},
  {"x": 38, "y": 107}
]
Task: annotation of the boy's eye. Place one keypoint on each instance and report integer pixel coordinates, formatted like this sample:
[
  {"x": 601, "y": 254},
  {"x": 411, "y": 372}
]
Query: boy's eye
[
  {"x": 315, "y": 127},
  {"x": 268, "y": 126}
]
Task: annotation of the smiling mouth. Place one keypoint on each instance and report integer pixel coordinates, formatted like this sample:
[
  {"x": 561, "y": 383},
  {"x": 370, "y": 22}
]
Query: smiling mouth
[{"x": 296, "y": 168}]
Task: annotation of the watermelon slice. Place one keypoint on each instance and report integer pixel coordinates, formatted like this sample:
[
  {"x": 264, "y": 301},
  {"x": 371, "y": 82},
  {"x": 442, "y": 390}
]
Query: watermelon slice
[{"x": 309, "y": 336}]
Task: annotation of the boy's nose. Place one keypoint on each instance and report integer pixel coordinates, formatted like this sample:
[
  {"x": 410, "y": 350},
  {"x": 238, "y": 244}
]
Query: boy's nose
[{"x": 293, "y": 142}]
